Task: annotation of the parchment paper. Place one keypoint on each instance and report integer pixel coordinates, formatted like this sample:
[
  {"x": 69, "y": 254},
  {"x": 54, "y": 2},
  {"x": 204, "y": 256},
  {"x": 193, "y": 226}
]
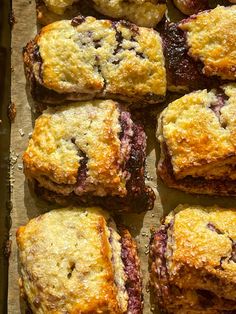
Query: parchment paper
[{"x": 26, "y": 205}]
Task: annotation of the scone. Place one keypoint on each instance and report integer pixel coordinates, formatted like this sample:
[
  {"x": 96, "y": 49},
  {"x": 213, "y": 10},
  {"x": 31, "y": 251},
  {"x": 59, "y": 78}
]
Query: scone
[
  {"x": 200, "y": 51},
  {"x": 198, "y": 142},
  {"x": 87, "y": 58},
  {"x": 74, "y": 260},
  {"x": 141, "y": 12},
  {"x": 91, "y": 152},
  {"x": 193, "y": 261}
]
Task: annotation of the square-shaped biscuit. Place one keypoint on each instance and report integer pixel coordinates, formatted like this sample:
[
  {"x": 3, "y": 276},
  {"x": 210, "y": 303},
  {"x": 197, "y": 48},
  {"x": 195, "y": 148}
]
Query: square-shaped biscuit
[
  {"x": 200, "y": 50},
  {"x": 91, "y": 152},
  {"x": 192, "y": 260},
  {"x": 87, "y": 58},
  {"x": 197, "y": 136},
  {"x": 73, "y": 260}
]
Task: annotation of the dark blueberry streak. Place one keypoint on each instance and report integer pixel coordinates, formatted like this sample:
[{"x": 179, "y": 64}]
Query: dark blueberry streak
[
  {"x": 233, "y": 253},
  {"x": 213, "y": 228},
  {"x": 181, "y": 69},
  {"x": 77, "y": 20}
]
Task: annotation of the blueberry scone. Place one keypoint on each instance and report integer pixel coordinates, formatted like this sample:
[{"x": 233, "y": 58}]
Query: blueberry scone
[
  {"x": 87, "y": 58},
  {"x": 200, "y": 51},
  {"x": 75, "y": 260},
  {"x": 141, "y": 12},
  {"x": 198, "y": 146},
  {"x": 193, "y": 261},
  {"x": 89, "y": 152}
]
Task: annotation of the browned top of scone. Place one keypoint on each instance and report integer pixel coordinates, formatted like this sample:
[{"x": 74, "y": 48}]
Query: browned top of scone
[
  {"x": 68, "y": 263},
  {"x": 196, "y": 251},
  {"x": 211, "y": 38},
  {"x": 198, "y": 132},
  {"x": 65, "y": 137},
  {"x": 93, "y": 57}
]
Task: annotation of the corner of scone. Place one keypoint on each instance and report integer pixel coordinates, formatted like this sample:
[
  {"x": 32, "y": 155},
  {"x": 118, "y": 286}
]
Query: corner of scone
[
  {"x": 193, "y": 261},
  {"x": 197, "y": 137},
  {"x": 73, "y": 260},
  {"x": 89, "y": 152},
  {"x": 212, "y": 40},
  {"x": 86, "y": 58},
  {"x": 200, "y": 50}
]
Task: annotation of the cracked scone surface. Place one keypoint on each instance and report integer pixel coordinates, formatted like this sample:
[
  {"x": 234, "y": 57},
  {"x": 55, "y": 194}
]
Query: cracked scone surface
[
  {"x": 211, "y": 39},
  {"x": 197, "y": 136},
  {"x": 86, "y": 58},
  {"x": 141, "y": 12},
  {"x": 89, "y": 148},
  {"x": 82, "y": 271},
  {"x": 192, "y": 256}
]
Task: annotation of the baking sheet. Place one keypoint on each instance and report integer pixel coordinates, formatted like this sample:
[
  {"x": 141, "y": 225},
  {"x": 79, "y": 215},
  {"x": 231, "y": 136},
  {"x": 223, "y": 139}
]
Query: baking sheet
[{"x": 26, "y": 205}]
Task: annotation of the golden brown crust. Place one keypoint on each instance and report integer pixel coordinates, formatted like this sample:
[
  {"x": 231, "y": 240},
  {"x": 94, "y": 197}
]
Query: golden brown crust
[
  {"x": 202, "y": 241},
  {"x": 211, "y": 39},
  {"x": 103, "y": 59},
  {"x": 197, "y": 142},
  {"x": 89, "y": 153},
  {"x": 91, "y": 269},
  {"x": 73, "y": 273},
  {"x": 62, "y": 134},
  {"x": 192, "y": 257}
]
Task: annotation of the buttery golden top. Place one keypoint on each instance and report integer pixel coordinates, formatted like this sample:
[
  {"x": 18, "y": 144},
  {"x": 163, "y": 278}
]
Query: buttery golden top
[
  {"x": 202, "y": 239},
  {"x": 211, "y": 38},
  {"x": 66, "y": 263},
  {"x": 200, "y": 133},
  {"x": 63, "y": 136},
  {"x": 99, "y": 56}
]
